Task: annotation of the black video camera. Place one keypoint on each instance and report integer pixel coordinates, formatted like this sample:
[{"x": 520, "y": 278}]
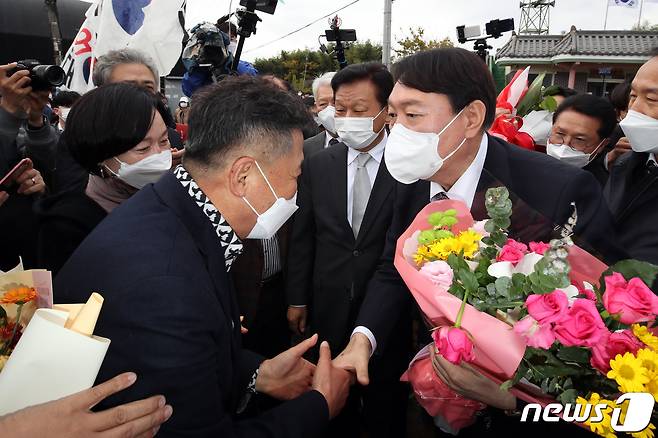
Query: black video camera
[{"x": 42, "y": 77}]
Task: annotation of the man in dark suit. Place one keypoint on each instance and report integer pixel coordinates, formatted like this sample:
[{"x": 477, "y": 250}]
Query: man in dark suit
[
  {"x": 325, "y": 110},
  {"x": 632, "y": 190},
  {"x": 438, "y": 149},
  {"x": 259, "y": 278},
  {"x": 345, "y": 207},
  {"x": 162, "y": 262}
]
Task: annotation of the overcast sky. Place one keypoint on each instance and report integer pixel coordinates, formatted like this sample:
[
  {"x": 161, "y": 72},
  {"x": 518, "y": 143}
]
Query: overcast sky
[{"x": 438, "y": 17}]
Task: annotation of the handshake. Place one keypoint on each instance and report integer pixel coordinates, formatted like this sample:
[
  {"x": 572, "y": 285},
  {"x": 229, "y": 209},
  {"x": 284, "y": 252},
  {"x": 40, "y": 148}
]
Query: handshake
[{"x": 289, "y": 375}]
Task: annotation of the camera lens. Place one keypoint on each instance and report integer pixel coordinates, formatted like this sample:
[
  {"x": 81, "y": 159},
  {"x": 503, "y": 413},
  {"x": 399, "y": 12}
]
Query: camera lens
[{"x": 51, "y": 74}]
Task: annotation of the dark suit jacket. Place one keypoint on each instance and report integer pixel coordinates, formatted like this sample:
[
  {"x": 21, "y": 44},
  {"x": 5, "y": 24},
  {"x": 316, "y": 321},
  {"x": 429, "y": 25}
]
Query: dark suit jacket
[
  {"x": 247, "y": 273},
  {"x": 314, "y": 144},
  {"x": 544, "y": 189},
  {"x": 328, "y": 269},
  {"x": 632, "y": 195},
  {"x": 172, "y": 315}
]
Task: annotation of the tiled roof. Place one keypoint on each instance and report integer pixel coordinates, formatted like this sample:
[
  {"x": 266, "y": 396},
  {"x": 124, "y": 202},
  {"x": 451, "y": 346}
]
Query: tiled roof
[
  {"x": 530, "y": 46},
  {"x": 580, "y": 43}
]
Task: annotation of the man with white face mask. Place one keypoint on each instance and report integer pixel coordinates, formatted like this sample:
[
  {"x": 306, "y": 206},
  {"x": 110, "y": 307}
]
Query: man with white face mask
[
  {"x": 632, "y": 189},
  {"x": 169, "y": 298},
  {"x": 345, "y": 208},
  {"x": 62, "y": 103},
  {"x": 326, "y": 112},
  {"x": 442, "y": 105},
  {"x": 580, "y": 131}
]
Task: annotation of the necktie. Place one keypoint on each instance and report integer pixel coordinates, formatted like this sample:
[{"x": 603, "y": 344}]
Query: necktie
[
  {"x": 360, "y": 192},
  {"x": 440, "y": 197},
  {"x": 333, "y": 141}
]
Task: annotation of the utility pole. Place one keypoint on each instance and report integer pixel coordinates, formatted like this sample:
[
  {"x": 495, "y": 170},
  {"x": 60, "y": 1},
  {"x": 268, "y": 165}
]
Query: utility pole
[
  {"x": 53, "y": 20},
  {"x": 386, "y": 44}
]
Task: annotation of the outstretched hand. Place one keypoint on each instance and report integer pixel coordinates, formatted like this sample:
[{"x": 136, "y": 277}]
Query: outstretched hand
[
  {"x": 71, "y": 417},
  {"x": 355, "y": 358},
  {"x": 288, "y": 375}
]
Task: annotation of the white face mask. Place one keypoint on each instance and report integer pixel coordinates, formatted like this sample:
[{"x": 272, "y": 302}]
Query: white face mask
[
  {"x": 642, "y": 131},
  {"x": 146, "y": 171},
  {"x": 232, "y": 47},
  {"x": 570, "y": 156},
  {"x": 412, "y": 155},
  {"x": 269, "y": 222},
  {"x": 357, "y": 132},
  {"x": 64, "y": 113},
  {"x": 327, "y": 118}
]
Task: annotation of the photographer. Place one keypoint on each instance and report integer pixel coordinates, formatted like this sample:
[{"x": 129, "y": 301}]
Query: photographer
[{"x": 21, "y": 107}]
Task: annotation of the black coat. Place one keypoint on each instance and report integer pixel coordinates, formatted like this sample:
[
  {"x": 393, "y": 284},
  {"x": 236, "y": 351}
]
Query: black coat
[
  {"x": 64, "y": 220},
  {"x": 328, "y": 269},
  {"x": 543, "y": 190},
  {"x": 632, "y": 195},
  {"x": 172, "y": 315},
  {"x": 314, "y": 144}
]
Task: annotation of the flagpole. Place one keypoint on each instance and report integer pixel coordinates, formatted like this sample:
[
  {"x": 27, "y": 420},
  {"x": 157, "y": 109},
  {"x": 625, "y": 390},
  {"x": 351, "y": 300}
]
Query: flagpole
[
  {"x": 639, "y": 19},
  {"x": 607, "y": 8}
]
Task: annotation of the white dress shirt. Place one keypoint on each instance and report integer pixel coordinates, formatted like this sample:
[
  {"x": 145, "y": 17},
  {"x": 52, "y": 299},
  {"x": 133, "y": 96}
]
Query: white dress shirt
[
  {"x": 327, "y": 138},
  {"x": 465, "y": 187},
  {"x": 372, "y": 166},
  {"x": 463, "y": 190}
]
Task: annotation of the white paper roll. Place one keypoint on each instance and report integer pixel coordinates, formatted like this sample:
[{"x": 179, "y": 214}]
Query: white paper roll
[{"x": 49, "y": 362}]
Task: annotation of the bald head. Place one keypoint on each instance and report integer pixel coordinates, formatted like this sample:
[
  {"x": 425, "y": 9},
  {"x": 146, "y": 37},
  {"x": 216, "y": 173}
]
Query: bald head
[{"x": 644, "y": 89}]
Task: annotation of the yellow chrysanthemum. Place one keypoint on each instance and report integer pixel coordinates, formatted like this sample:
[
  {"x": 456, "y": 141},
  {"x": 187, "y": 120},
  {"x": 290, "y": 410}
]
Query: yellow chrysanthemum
[
  {"x": 627, "y": 370},
  {"x": 470, "y": 236},
  {"x": 3, "y": 361},
  {"x": 604, "y": 427},
  {"x": 643, "y": 334},
  {"x": 646, "y": 433},
  {"x": 649, "y": 360}
]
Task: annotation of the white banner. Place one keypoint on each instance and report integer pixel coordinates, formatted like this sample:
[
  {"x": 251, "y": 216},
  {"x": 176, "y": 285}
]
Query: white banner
[{"x": 151, "y": 26}]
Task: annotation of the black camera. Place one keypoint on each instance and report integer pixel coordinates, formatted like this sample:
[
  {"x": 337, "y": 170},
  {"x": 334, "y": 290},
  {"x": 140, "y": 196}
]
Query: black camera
[{"x": 42, "y": 77}]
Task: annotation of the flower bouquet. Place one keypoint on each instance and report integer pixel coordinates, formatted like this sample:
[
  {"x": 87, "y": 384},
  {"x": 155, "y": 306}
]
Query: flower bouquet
[
  {"x": 21, "y": 294},
  {"x": 527, "y": 316}
]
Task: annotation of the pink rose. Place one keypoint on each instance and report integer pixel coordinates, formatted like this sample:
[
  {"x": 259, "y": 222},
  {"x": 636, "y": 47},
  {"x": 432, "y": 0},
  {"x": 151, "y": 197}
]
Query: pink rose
[
  {"x": 454, "y": 344},
  {"x": 548, "y": 308},
  {"x": 539, "y": 247},
  {"x": 509, "y": 254},
  {"x": 438, "y": 272},
  {"x": 587, "y": 292},
  {"x": 517, "y": 245},
  {"x": 536, "y": 335},
  {"x": 633, "y": 300},
  {"x": 617, "y": 343},
  {"x": 582, "y": 326}
]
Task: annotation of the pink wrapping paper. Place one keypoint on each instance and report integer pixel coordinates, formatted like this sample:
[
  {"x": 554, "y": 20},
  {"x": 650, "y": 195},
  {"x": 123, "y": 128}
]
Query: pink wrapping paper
[{"x": 498, "y": 350}]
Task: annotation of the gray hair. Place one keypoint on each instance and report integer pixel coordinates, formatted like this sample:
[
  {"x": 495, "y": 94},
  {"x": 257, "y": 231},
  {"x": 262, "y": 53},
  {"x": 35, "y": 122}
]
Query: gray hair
[
  {"x": 325, "y": 79},
  {"x": 106, "y": 63}
]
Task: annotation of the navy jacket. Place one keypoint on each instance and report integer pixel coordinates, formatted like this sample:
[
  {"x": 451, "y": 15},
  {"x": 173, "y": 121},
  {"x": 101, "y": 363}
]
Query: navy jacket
[{"x": 172, "y": 315}]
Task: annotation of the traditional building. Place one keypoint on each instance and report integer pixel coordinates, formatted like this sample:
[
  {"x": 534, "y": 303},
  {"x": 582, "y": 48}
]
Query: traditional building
[{"x": 592, "y": 61}]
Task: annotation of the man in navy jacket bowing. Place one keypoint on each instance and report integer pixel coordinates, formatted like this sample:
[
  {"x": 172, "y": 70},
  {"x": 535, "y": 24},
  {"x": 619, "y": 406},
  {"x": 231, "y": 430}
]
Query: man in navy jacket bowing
[{"x": 162, "y": 262}]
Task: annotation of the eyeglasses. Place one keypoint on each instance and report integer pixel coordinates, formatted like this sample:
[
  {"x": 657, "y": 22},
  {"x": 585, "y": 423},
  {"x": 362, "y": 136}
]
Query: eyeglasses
[{"x": 574, "y": 143}]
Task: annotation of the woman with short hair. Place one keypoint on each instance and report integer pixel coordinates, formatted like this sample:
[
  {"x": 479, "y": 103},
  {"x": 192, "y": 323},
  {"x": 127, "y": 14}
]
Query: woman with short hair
[{"x": 118, "y": 134}]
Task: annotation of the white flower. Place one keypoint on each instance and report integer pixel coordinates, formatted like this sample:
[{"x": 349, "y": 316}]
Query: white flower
[{"x": 506, "y": 269}]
